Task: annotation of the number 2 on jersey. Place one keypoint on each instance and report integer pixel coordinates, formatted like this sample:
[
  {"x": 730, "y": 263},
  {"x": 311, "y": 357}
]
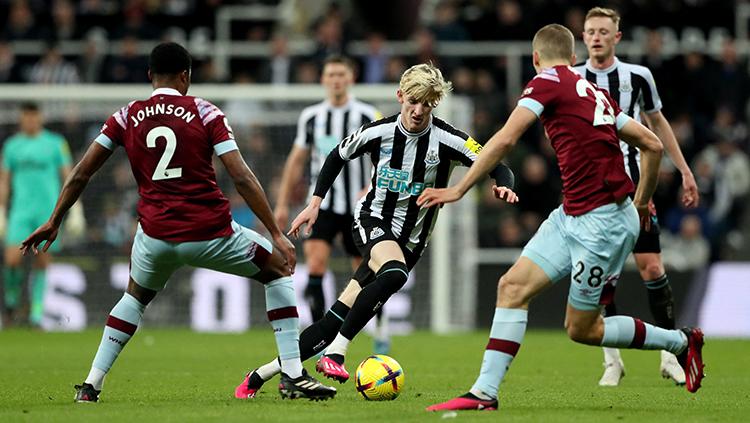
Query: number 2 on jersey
[
  {"x": 162, "y": 172},
  {"x": 583, "y": 87}
]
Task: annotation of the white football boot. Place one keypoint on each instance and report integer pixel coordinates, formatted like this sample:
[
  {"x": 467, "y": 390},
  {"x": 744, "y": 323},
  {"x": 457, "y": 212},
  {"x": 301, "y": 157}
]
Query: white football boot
[
  {"x": 671, "y": 369},
  {"x": 614, "y": 369}
]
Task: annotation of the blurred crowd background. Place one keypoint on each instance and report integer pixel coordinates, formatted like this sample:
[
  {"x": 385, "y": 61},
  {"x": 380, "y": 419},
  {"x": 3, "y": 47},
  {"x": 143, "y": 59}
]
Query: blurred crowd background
[{"x": 693, "y": 47}]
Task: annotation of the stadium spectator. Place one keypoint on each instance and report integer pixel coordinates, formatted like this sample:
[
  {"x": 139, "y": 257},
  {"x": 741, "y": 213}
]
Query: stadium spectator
[
  {"x": 446, "y": 26},
  {"x": 10, "y": 69},
  {"x": 21, "y": 24},
  {"x": 375, "y": 62},
  {"x": 687, "y": 250},
  {"x": 52, "y": 68},
  {"x": 728, "y": 171},
  {"x": 64, "y": 26},
  {"x": 277, "y": 70},
  {"x": 128, "y": 65},
  {"x": 734, "y": 90}
]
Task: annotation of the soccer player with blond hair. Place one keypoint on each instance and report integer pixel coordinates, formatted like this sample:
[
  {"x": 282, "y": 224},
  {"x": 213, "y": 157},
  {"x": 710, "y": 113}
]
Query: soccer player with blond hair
[
  {"x": 588, "y": 237},
  {"x": 410, "y": 151}
]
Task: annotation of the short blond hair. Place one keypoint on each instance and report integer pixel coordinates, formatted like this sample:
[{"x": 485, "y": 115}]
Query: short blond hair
[
  {"x": 603, "y": 12},
  {"x": 554, "y": 41},
  {"x": 425, "y": 83}
]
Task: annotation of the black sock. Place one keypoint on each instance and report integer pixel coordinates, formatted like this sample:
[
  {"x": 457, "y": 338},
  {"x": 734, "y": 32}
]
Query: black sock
[
  {"x": 317, "y": 336},
  {"x": 390, "y": 278},
  {"x": 314, "y": 296},
  {"x": 661, "y": 302}
]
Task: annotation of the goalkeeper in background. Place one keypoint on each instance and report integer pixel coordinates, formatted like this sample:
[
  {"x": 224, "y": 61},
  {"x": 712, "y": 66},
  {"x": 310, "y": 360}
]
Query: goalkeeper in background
[{"x": 34, "y": 162}]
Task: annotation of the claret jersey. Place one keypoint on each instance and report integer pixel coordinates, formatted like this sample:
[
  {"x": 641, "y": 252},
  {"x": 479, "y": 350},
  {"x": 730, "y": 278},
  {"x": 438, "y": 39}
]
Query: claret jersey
[
  {"x": 170, "y": 140},
  {"x": 581, "y": 121}
]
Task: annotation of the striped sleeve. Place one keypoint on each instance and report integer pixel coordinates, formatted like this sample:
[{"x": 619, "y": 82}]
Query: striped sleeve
[
  {"x": 650, "y": 100},
  {"x": 305, "y": 128}
]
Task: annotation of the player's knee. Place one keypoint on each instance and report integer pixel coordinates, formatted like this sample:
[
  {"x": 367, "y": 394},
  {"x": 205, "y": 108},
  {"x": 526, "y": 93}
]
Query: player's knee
[
  {"x": 652, "y": 271},
  {"x": 512, "y": 292},
  {"x": 276, "y": 267},
  {"x": 393, "y": 276},
  {"x": 582, "y": 333}
]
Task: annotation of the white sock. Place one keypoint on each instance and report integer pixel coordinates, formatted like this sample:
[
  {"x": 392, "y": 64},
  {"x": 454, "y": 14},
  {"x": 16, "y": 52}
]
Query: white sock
[
  {"x": 269, "y": 370},
  {"x": 611, "y": 355},
  {"x": 96, "y": 378},
  {"x": 292, "y": 367},
  {"x": 338, "y": 346}
]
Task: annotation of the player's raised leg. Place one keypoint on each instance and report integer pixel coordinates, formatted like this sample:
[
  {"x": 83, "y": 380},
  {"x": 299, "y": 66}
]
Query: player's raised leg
[{"x": 387, "y": 259}]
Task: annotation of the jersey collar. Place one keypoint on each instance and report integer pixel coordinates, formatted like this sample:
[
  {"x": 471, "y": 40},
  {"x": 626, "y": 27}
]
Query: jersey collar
[
  {"x": 607, "y": 70},
  {"x": 413, "y": 134},
  {"x": 165, "y": 91}
]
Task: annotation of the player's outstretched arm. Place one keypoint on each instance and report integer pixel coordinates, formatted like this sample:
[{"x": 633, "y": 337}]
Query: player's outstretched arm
[
  {"x": 249, "y": 187},
  {"x": 290, "y": 176},
  {"x": 328, "y": 173},
  {"x": 651, "y": 148},
  {"x": 493, "y": 152},
  {"x": 659, "y": 124},
  {"x": 74, "y": 185}
]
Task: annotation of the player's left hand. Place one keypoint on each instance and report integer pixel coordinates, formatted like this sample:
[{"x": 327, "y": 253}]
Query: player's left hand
[
  {"x": 644, "y": 212},
  {"x": 505, "y": 193},
  {"x": 690, "y": 196},
  {"x": 438, "y": 197},
  {"x": 46, "y": 232},
  {"x": 287, "y": 250}
]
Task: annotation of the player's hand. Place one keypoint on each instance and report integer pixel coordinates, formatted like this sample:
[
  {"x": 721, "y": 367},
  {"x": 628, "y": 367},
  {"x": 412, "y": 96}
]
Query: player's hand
[
  {"x": 281, "y": 214},
  {"x": 308, "y": 216},
  {"x": 287, "y": 250},
  {"x": 46, "y": 232},
  {"x": 644, "y": 212},
  {"x": 505, "y": 193},
  {"x": 438, "y": 197},
  {"x": 690, "y": 196}
]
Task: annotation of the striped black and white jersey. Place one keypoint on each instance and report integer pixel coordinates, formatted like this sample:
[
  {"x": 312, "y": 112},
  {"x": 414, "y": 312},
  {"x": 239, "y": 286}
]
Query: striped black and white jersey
[
  {"x": 404, "y": 164},
  {"x": 320, "y": 128},
  {"x": 633, "y": 88}
]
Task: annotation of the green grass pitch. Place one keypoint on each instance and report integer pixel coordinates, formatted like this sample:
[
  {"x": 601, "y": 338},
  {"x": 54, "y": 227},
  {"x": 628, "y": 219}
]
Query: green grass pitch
[{"x": 177, "y": 375}]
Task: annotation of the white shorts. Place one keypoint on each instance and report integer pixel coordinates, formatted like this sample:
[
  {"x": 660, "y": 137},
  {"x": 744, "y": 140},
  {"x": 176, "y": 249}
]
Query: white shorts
[{"x": 153, "y": 261}]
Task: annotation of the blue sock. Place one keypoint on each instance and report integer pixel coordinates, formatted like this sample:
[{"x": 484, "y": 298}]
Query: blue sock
[
  {"x": 281, "y": 306},
  {"x": 121, "y": 324},
  {"x": 508, "y": 328},
  {"x": 627, "y": 332}
]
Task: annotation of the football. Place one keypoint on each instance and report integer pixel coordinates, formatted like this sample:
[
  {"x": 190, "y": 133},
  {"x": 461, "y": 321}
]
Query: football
[{"x": 379, "y": 378}]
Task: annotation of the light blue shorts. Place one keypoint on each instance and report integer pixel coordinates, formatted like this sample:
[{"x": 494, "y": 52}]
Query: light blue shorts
[
  {"x": 153, "y": 261},
  {"x": 592, "y": 248}
]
